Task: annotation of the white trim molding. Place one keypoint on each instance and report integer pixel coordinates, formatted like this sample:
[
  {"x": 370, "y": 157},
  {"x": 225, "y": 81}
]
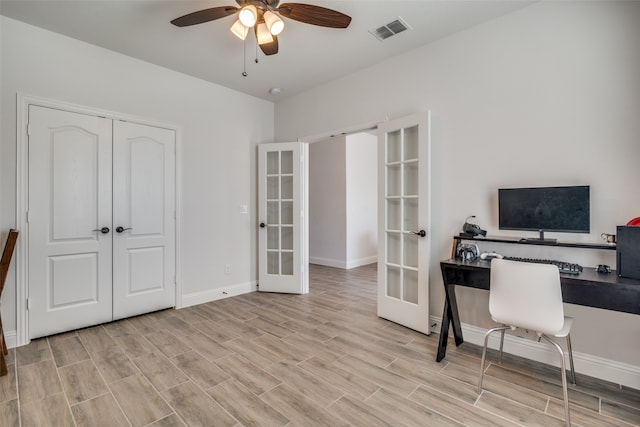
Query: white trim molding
[
  {"x": 217, "y": 294},
  {"x": 345, "y": 265},
  {"x": 593, "y": 366}
]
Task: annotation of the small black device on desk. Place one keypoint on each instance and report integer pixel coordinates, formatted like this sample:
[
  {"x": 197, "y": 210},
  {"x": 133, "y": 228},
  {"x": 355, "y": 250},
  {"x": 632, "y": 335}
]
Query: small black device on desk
[{"x": 470, "y": 230}]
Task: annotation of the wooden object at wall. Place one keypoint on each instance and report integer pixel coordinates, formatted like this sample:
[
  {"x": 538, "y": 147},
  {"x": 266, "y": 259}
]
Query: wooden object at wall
[{"x": 4, "y": 269}]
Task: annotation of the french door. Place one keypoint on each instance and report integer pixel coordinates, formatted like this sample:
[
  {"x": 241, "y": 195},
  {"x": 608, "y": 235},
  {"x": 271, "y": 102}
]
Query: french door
[
  {"x": 100, "y": 220},
  {"x": 404, "y": 219},
  {"x": 283, "y": 229}
]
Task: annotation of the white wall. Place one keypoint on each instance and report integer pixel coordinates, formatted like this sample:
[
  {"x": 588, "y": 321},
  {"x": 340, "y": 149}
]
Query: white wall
[
  {"x": 219, "y": 131},
  {"x": 362, "y": 199},
  {"x": 327, "y": 202},
  {"x": 548, "y": 95}
]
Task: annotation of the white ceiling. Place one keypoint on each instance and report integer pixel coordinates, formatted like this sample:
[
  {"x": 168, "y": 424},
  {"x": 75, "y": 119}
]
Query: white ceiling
[{"x": 308, "y": 55}]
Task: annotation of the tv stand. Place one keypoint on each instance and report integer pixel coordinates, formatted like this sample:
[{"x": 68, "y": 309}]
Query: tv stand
[{"x": 541, "y": 240}]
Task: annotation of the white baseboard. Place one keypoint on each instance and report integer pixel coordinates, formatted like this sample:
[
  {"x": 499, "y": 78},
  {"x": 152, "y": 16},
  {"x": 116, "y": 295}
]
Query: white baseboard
[
  {"x": 345, "y": 265},
  {"x": 219, "y": 293},
  {"x": 593, "y": 366},
  {"x": 11, "y": 339},
  {"x": 328, "y": 262},
  {"x": 362, "y": 261}
]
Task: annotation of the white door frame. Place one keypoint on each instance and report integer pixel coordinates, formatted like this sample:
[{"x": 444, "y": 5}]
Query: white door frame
[{"x": 22, "y": 197}]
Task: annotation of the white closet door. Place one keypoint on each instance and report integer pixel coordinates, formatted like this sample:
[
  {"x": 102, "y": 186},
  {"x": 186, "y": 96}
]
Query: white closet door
[
  {"x": 143, "y": 219},
  {"x": 69, "y": 203}
]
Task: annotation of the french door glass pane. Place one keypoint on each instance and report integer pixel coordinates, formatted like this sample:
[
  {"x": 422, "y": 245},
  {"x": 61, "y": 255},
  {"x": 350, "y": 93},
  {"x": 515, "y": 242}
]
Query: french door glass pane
[
  {"x": 410, "y": 220},
  {"x": 410, "y": 286},
  {"x": 273, "y": 163},
  {"x": 394, "y": 247},
  {"x": 410, "y": 143},
  {"x": 287, "y": 264},
  {"x": 394, "y": 285},
  {"x": 394, "y": 146},
  {"x": 411, "y": 180},
  {"x": 287, "y": 187},
  {"x": 394, "y": 214},
  {"x": 286, "y": 216},
  {"x": 394, "y": 180},
  {"x": 273, "y": 188},
  {"x": 273, "y": 213},
  {"x": 287, "y": 162},
  {"x": 272, "y": 237},
  {"x": 273, "y": 262},
  {"x": 410, "y": 250},
  {"x": 286, "y": 238}
]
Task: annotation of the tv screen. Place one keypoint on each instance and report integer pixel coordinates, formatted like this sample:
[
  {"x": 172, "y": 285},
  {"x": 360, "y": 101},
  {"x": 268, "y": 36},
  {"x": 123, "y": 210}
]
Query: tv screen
[{"x": 562, "y": 209}]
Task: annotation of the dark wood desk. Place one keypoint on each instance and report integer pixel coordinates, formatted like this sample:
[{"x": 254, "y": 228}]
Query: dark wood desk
[{"x": 591, "y": 289}]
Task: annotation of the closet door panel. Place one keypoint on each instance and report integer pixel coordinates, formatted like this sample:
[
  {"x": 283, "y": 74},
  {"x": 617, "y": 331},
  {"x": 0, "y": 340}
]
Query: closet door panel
[
  {"x": 144, "y": 219},
  {"x": 69, "y": 204}
]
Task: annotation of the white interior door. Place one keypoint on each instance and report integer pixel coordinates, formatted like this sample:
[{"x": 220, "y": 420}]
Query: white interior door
[
  {"x": 69, "y": 203},
  {"x": 143, "y": 219},
  {"x": 283, "y": 230},
  {"x": 404, "y": 219}
]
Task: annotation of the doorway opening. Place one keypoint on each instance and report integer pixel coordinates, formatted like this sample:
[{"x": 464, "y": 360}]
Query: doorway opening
[{"x": 343, "y": 200}]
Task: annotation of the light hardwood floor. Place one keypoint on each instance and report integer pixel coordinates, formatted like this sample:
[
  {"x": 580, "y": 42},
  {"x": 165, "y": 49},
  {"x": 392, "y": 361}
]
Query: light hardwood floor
[{"x": 323, "y": 358}]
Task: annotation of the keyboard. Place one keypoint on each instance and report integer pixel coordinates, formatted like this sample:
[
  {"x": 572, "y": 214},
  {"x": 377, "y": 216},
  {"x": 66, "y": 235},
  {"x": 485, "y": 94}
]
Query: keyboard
[{"x": 564, "y": 267}]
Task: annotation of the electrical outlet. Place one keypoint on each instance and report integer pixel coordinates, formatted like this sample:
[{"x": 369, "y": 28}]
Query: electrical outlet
[
  {"x": 244, "y": 209},
  {"x": 227, "y": 269}
]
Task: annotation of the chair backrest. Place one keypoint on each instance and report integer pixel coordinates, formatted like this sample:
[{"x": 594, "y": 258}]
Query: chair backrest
[
  {"x": 6, "y": 256},
  {"x": 526, "y": 295}
]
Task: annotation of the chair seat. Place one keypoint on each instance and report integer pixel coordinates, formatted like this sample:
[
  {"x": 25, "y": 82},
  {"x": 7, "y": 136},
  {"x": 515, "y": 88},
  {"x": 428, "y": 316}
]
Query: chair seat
[
  {"x": 566, "y": 328},
  {"x": 562, "y": 333}
]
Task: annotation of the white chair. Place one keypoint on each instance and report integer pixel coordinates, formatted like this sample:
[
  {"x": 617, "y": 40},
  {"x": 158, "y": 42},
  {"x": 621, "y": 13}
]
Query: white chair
[{"x": 529, "y": 296}]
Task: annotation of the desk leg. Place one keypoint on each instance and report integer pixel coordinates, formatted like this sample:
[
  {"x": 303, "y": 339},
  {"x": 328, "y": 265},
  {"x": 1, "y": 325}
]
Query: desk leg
[
  {"x": 450, "y": 314},
  {"x": 444, "y": 332}
]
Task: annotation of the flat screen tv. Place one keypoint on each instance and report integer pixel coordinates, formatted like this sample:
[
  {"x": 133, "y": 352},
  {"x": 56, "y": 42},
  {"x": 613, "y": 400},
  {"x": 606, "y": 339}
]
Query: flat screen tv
[{"x": 560, "y": 209}]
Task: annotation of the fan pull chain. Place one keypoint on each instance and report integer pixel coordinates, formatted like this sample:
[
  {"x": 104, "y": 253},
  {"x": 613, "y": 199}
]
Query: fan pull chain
[
  {"x": 256, "y": 51},
  {"x": 244, "y": 58}
]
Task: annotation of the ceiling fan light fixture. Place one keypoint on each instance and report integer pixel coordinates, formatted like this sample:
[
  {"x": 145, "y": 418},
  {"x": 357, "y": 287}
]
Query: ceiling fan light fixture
[
  {"x": 274, "y": 23},
  {"x": 263, "y": 34},
  {"x": 248, "y": 15},
  {"x": 239, "y": 30}
]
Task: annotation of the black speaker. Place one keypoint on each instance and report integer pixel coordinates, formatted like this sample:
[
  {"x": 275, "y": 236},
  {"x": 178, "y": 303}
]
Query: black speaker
[{"x": 628, "y": 251}]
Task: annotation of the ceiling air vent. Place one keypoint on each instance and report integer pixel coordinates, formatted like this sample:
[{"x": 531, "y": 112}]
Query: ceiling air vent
[{"x": 390, "y": 29}]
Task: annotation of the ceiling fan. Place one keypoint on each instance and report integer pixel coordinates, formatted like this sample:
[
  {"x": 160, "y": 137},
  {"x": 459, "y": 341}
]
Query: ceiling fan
[{"x": 264, "y": 16}]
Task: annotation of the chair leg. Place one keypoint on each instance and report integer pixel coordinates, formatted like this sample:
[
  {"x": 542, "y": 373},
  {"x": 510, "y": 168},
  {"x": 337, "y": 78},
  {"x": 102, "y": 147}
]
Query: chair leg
[
  {"x": 484, "y": 352},
  {"x": 573, "y": 371},
  {"x": 565, "y": 393}
]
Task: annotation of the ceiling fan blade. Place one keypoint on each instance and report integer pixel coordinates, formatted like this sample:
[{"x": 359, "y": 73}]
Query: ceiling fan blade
[
  {"x": 315, "y": 15},
  {"x": 270, "y": 48},
  {"x": 204, "y": 15}
]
